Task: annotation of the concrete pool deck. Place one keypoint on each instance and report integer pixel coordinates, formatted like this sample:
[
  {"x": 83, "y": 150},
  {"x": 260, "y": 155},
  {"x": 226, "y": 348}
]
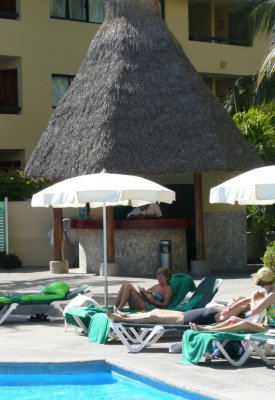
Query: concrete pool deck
[{"x": 25, "y": 341}]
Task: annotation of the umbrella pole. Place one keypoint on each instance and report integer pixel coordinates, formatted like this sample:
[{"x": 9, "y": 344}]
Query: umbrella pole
[
  {"x": 200, "y": 246},
  {"x": 105, "y": 256}
]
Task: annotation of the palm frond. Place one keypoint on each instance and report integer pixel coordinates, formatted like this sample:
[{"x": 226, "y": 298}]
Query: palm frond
[{"x": 260, "y": 16}]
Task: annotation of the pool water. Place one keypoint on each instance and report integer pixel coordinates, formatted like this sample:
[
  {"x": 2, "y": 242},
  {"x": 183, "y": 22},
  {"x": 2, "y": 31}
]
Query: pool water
[{"x": 82, "y": 381}]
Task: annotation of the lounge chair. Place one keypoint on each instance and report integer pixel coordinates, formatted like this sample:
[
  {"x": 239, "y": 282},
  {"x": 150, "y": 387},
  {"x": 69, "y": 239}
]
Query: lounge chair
[
  {"x": 196, "y": 344},
  {"x": 202, "y": 295},
  {"x": 181, "y": 285},
  {"x": 57, "y": 294},
  {"x": 138, "y": 336}
]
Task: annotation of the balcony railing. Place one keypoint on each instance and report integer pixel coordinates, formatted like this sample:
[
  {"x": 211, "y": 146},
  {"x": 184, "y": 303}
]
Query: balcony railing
[
  {"x": 220, "y": 40},
  {"x": 8, "y": 14},
  {"x": 9, "y": 110}
]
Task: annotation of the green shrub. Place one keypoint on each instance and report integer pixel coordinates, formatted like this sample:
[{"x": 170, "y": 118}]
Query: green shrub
[
  {"x": 10, "y": 261},
  {"x": 18, "y": 187},
  {"x": 269, "y": 257},
  {"x": 261, "y": 218}
]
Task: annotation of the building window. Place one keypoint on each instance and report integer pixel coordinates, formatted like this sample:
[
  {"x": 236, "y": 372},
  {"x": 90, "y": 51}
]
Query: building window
[
  {"x": 9, "y": 92},
  {"x": 6, "y": 166},
  {"x": 8, "y": 9},
  {"x": 78, "y": 10},
  {"x": 60, "y": 85},
  {"x": 161, "y": 6}
]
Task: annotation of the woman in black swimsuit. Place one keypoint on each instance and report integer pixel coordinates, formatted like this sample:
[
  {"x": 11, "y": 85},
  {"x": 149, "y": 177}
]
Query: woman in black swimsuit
[{"x": 202, "y": 316}]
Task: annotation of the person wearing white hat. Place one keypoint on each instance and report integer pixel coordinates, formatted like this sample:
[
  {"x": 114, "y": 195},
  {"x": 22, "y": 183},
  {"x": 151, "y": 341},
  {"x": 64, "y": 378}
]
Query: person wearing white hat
[{"x": 264, "y": 279}]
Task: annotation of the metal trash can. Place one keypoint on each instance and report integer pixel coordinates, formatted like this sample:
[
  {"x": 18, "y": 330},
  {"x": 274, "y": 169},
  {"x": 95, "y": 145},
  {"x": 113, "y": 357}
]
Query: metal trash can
[{"x": 165, "y": 253}]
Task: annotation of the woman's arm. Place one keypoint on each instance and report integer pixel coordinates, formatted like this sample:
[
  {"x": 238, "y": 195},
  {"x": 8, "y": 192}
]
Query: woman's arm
[
  {"x": 241, "y": 305},
  {"x": 263, "y": 304},
  {"x": 160, "y": 304}
]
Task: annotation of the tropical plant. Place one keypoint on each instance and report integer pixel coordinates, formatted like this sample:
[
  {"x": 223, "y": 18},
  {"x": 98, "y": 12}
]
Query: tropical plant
[
  {"x": 261, "y": 218},
  {"x": 17, "y": 187},
  {"x": 10, "y": 261},
  {"x": 245, "y": 94},
  {"x": 259, "y": 16},
  {"x": 258, "y": 126},
  {"x": 269, "y": 257}
]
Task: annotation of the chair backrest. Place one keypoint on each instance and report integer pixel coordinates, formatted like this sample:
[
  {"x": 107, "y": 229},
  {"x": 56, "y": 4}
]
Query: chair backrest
[
  {"x": 206, "y": 289},
  {"x": 181, "y": 284}
]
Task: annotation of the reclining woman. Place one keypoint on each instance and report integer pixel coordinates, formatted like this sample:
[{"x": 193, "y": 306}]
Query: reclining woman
[
  {"x": 202, "y": 316},
  {"x": 264, "y": 278},
  {"x": 158, "y": 295}
]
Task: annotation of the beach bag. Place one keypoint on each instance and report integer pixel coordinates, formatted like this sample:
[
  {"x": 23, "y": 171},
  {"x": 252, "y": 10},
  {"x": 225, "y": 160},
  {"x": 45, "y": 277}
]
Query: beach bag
[{"x": 234, "y": 349}]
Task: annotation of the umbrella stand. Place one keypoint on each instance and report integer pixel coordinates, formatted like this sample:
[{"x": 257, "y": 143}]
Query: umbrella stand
[{"x": 105, "y": 255}]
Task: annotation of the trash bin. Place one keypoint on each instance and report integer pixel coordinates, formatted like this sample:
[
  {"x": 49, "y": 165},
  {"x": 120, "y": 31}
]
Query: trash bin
[{"x": 165, "y": 253}]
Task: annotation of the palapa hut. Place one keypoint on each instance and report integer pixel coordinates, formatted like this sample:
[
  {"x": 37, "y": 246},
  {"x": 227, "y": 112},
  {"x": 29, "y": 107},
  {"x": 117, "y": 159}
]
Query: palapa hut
[{"x": 138, "y": 106}]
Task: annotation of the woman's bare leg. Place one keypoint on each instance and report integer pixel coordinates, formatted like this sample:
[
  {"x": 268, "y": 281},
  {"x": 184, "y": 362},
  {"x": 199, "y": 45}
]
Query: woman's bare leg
[
  {"x": 230, "y": 321},
  {"x": 118, "y": 312},
  {"x": 131, "y": 296},
  {"x": 155, "y": 316},
  {"x": 119, "y": 295},
  {"x": 239, "y": 326}
]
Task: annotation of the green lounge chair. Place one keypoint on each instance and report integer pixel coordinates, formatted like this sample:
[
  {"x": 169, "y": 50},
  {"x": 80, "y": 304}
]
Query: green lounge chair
[
  {"x": 138, "y": 336},
  {"x": 203, "y": 294},
  {"x": 181, "y": 285},
  {"x": 57, "y": 294},
  {"x": 196, "y": 344}
]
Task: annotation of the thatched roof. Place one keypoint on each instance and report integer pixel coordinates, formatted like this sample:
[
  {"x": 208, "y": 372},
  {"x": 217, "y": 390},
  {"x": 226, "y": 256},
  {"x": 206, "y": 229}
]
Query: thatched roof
[{"x": 138, "y": 106}]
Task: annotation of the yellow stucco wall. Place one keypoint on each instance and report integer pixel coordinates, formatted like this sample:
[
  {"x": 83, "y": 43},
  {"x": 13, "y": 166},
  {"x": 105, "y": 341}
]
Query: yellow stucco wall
[
  {"x": 41, "y": 46},
  {"x": 28, "y": 233}
]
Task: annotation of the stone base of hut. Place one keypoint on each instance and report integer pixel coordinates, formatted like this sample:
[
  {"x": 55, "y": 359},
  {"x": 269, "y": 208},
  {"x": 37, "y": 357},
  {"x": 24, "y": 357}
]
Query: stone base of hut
[
  {"x": 136, "y": 250},
  {"x": 226, "y": 240}
]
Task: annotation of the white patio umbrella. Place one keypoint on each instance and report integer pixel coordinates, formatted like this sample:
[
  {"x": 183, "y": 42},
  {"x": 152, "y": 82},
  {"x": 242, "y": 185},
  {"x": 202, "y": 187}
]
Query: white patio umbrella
[
  {"x": 102, "y": 190},
  {"x": 255, "y": 187}
]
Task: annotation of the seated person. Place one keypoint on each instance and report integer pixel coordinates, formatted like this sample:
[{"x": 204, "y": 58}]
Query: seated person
[
  {"x": 264, "y": 279},
  {"x": 158, "y": 295},
  {"x": 147, "y": 211}
]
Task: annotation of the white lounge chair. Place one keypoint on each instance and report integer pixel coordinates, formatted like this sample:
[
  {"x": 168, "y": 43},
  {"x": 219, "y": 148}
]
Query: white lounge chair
[
  {"x": 138, "y": 336},
  {"x": 253, "y": 344},
  {"x": 53, "y": 294},
  {"x": 196, "y": 344}
]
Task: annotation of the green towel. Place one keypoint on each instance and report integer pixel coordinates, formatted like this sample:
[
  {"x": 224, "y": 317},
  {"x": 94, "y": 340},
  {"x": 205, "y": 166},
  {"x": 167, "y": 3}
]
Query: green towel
[
  {"x": 99, "y": 328},
  {"x": 196, "y": 343},
  {"x": 10, "y": 299},
  {"x": 181, "y": 285},
  {"x": 192, "y": 304},
  {"x": 84, "y": 313}
]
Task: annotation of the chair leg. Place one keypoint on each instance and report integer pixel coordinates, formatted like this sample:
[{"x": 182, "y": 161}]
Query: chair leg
[
  {"x": 261, "y": 352},
  {"x": 236, "y": 363},
  {"x": 146, "y": 338},
  {"x": 6, "y": 311}
]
